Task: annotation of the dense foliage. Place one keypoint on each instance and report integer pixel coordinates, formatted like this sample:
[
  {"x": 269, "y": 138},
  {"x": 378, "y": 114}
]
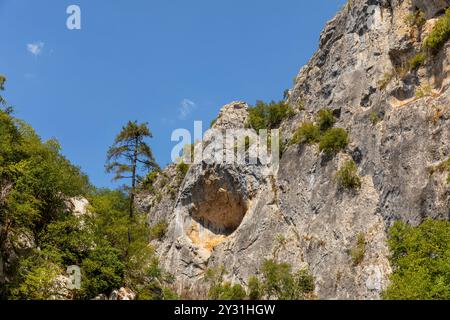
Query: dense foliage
[
  {"x": 40, "y": 236},
  {"x": 420, "y": 257},
  {"x": 36, "y": 182}
]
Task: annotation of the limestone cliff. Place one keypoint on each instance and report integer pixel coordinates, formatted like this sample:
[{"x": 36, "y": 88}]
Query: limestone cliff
[{"x": 398, "y": 119}]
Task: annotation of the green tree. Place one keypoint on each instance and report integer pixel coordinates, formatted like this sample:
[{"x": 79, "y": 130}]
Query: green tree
[
  {"x": 127, "y": 155},
  {"x": 102, "y": 271},
  {"x": 35, "y": 183},
  {"x": 36, "y": 276},
  {"x": 72, "y": 236},
  {"x": 420, "y": 257},
  {"x": 141, "y": 271}
]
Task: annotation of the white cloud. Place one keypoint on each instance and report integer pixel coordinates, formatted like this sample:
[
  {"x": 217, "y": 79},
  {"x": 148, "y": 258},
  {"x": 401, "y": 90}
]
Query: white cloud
[
  {"x": 35, "y": 48},
  {"x": 186, "y": 108}
]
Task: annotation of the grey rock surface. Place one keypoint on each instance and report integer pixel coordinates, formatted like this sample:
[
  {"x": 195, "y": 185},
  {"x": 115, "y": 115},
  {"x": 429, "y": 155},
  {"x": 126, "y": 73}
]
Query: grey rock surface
[{"x": 235, "y": 215}]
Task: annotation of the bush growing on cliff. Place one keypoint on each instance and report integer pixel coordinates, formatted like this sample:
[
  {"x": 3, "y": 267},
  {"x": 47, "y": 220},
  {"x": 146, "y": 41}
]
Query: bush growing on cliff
[
  {"x": 420, "y": 257},
  {"x": 269, "y": 116},
  {"x": 440, "y": 33},
  {"x": 182, "y": 169},
  {"x": 417, "y": 60},
  {"x": 255, "y": 288},
  {"x": 374, "y": 118},
  {"x": 359, "y": 250},
  {"x": 150, "y": 179},
  {"x": 445, "y": 166},
  {"x": 325, "y": 119},
  {"x": 333, "y": 141},
  {"x": 307, "y": 133},
  {"x": 347, "y": 176},
  {"x": 279, "y": 282},
  {"x": 220, "y": 290},
  {"x": 424, "y": 91},
  {"x": 227, "y": 291}
]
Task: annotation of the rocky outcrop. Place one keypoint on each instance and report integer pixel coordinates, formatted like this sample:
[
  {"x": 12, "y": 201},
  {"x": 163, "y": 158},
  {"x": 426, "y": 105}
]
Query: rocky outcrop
[
  {"x": 124, "y": 294},
  {"x": 238, "y": 215}
]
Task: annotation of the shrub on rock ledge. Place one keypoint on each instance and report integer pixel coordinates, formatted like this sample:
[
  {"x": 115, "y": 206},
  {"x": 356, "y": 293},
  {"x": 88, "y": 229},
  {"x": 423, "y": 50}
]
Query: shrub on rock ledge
[
  {"x": 347, "y": 176},
  {"x": 333, "y": 141}
]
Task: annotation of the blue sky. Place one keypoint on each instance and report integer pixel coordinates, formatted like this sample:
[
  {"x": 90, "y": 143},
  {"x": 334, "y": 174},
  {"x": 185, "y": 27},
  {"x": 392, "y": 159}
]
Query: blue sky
[{"x": 165, "y": 62}]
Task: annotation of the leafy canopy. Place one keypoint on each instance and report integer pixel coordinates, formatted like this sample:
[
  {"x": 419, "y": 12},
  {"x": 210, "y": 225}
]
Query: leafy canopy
[{"x": 420, "y": 257}]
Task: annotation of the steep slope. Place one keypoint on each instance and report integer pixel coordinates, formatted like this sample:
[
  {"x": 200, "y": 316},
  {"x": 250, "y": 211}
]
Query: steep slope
[{"x": 398, "y": 118}]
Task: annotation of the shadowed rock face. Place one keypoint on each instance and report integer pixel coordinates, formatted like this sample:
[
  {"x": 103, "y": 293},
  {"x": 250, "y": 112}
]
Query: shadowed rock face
[
  {"x": 233, "y": 215},
  {"x": 431, "y": 8},
  {"x": 218, "y": 204}
]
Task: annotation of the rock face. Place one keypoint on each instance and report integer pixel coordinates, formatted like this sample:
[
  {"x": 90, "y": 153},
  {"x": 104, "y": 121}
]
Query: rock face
[{"x": 237, "y": 215}]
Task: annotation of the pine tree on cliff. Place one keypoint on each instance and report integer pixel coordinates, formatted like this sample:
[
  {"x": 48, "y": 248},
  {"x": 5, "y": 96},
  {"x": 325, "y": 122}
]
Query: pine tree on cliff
[{"x": 128, "y": 155}]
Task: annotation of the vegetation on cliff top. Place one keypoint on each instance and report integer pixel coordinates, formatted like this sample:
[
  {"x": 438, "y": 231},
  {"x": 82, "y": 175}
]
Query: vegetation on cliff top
[{"x": 269, "y": 115}]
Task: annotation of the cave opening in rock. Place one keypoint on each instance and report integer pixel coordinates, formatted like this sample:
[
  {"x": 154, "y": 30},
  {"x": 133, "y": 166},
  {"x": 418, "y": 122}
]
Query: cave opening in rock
[{"x": 219, "y": 203}]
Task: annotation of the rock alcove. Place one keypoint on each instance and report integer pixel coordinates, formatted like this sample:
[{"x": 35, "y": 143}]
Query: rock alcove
[{"x": 219, "y": 205}]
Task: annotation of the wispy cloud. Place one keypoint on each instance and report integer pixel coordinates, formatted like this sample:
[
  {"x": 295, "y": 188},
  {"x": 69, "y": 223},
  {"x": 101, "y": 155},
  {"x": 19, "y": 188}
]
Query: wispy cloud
[
  {"x": 35, "y": 48},
  {"x": 186, "y": 107}
]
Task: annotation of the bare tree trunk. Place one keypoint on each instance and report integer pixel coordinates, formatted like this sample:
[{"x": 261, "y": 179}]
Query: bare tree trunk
[{"x": 133, "y": 187}]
